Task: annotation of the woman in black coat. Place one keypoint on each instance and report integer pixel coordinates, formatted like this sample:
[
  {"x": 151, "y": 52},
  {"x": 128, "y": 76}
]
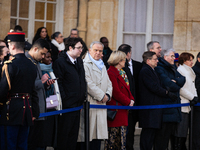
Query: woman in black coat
[{"x": 57, "y": 45}]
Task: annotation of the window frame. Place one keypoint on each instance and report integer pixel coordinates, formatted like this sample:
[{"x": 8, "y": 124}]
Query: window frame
[
  {"x": 149, "y": 24},
  {"x": 31, "y": 17}
]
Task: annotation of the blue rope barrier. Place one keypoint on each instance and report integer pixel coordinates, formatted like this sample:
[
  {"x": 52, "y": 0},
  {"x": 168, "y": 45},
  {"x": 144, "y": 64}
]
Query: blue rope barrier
[
  {"x": 60, "y": 111},
  {"x": 115, "y": 107},
  {"x": 139, "y": 107}
]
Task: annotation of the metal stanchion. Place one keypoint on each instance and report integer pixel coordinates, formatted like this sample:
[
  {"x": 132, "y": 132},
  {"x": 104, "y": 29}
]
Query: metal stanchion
[
  {"x": 191, "y": 126},
  {"x": 86, "y": 118}
]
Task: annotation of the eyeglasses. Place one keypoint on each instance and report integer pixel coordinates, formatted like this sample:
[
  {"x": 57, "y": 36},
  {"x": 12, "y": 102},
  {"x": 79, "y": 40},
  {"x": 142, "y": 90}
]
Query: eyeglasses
[
  {"x": 154, "y": 59},
  {"x": 172, "y": 56},
  {"x": 158, "y": 48},
  {"x": 79, "y": 48}
]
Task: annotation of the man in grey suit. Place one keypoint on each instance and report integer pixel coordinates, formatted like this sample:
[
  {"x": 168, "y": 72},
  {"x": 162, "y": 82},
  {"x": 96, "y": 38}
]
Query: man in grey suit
[{"x": 36, "y": 53}]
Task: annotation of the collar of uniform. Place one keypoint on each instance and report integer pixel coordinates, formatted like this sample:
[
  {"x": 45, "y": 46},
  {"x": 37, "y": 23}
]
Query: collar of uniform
[{"x": 18, "y": 55}]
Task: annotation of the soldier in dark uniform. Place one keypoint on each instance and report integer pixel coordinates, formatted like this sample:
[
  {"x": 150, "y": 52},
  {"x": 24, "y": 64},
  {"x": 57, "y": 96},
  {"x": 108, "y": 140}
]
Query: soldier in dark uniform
[{"x": 18, "y": 96}]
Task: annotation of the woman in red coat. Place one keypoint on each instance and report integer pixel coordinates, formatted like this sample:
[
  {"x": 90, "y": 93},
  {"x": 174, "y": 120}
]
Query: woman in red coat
[{"x": 121, "y": 96}]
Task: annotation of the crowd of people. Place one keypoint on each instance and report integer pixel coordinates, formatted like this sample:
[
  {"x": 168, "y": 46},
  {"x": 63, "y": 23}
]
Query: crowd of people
[{"x": 56, "y": 74}]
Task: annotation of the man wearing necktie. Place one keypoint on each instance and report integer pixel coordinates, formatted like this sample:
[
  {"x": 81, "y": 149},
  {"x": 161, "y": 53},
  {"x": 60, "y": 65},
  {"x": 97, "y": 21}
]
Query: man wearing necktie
[
  {"x": 132, "y": 69},
  {"x": 69, "y": 69}
]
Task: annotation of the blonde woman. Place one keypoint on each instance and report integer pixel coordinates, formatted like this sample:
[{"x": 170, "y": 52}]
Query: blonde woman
[{"x": 122, "y": 97}]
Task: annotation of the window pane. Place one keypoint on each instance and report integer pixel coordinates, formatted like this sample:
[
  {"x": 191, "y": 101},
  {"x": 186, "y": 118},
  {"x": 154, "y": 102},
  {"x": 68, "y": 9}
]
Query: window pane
[
  {"x": 52, "y": 0},
  {"x": 137, "y": 42},
  {"x": 135, "y": 12},
  {"x": 163, "y": 16},
  {"x": 51, "y": 11},
  {"x": 23, "y": 8},
  {"x": 166, "y": 41},
  {"x": 38, "y": 25},
  {"x": 24, "y": 25},
  {"x": 13, "y": 23},
  {"x": 39, "y": 10},
  {"x": 14, "y": 8},
  {"x": 50, "y": 28}
]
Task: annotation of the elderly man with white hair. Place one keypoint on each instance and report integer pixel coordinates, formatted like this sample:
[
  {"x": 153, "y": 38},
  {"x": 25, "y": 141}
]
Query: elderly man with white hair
[
  {"x": 173, "y": 82},
  {"x": 99, "y": 88}
]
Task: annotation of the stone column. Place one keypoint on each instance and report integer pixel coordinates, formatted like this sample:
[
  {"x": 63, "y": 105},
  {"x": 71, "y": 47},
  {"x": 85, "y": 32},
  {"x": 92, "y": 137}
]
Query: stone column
[
  {"x": 187, "y": 26},
  {"x": 70, "y": 16},
  {"x": 82, "y": 19},
  {"x": 102, "y": 21}
]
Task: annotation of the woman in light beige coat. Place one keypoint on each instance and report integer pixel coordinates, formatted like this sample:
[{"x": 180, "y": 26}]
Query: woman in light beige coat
[{"x": 99, "y": 88}]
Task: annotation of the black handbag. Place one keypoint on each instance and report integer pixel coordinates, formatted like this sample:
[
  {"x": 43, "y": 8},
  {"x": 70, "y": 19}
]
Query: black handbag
[{"x": 111, "y": 114}]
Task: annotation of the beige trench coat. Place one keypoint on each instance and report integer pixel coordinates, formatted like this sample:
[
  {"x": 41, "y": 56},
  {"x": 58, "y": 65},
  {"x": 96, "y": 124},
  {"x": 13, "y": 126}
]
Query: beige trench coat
[{"x": 98, "y": 84}]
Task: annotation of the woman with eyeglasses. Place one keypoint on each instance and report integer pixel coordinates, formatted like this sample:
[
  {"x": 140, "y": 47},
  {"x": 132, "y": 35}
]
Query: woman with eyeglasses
[
  {"x": 49, "y": 133},
  {"x": 57, "y": 45}
]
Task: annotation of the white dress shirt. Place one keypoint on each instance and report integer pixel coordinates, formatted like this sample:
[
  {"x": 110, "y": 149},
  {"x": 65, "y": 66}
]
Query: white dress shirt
[{"x": 131, "y": 66}]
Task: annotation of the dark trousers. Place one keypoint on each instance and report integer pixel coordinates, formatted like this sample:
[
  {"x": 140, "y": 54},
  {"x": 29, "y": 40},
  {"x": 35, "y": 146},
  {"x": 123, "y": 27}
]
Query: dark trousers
[
  {"x": 94, "y": 145},
  {"x": 68, "y": 127},
  {"x": 196, "y": 129},
  {"x": 163, "y": 135},
  {"x": 36, "y": 135},
  {"x": 14, "y": 137},
  {"x": 132, "y": 120},
  {"x": 147, "y": 137}
]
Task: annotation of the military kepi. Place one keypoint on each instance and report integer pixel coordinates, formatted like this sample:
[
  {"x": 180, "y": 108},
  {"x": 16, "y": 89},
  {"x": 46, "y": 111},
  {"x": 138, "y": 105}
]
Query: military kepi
[{"x": 16, "y": 37}]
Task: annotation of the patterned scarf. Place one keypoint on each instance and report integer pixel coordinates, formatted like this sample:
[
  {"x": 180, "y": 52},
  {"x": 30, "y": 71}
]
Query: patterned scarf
[{"x": 124, "y": 76}]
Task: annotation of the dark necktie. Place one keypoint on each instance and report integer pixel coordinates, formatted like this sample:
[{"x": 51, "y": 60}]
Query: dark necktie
[{"x": 76, "y": 65}]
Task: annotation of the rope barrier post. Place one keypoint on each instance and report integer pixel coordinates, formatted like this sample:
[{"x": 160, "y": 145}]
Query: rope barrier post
[
  {"x": 191, "y": 127},
  {"x": 86, "y": 119}
]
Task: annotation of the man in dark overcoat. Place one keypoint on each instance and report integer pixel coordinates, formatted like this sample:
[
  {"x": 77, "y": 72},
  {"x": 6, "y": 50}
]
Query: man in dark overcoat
[
  {"x": 17, "y": 95},
  {"x": 72, "y": 84},
  {"x": 151, "y": 93},
  {"x": 173, "y": 81},
  {"x": 132, "y": 69}
]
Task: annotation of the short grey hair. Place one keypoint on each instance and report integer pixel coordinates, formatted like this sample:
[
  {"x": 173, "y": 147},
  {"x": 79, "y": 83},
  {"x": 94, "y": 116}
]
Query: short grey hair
[
  {"x": 165, "y": 52},
  {"x": 96, "y": 42},
  {"x": 150, "y": 45}
]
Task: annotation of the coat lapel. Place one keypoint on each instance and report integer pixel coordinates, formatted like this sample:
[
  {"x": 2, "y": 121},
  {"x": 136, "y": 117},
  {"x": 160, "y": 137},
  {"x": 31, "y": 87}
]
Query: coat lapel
[{"x": 120, "y": 79}]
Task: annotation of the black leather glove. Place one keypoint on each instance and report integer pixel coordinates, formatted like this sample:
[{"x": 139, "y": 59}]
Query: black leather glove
[
  {"x": 194, "y": 101},
  {"x": 172, "y": 96}
]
